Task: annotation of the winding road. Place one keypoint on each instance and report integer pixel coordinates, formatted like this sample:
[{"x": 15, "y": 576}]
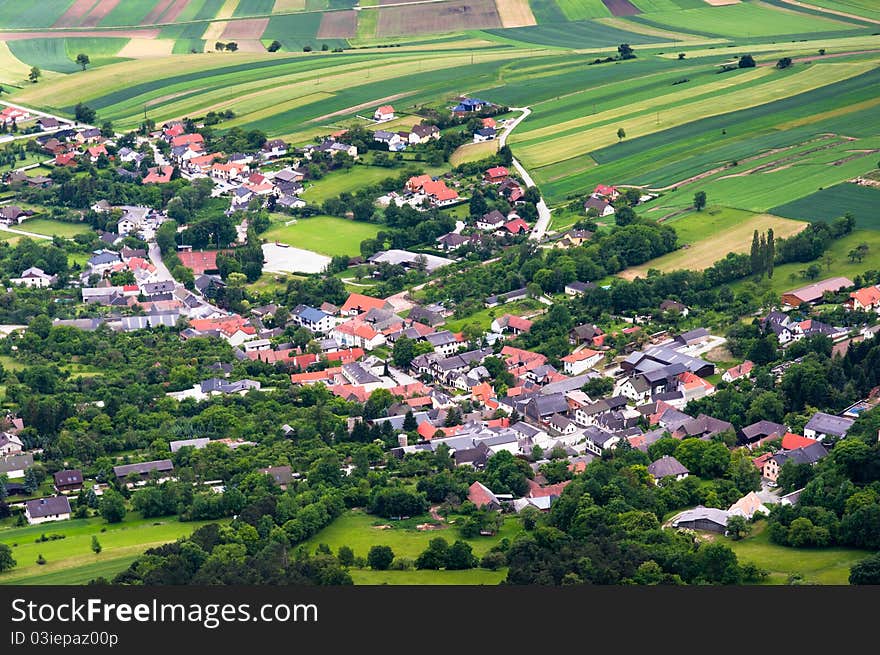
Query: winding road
[{"x": 543, "y": 221}]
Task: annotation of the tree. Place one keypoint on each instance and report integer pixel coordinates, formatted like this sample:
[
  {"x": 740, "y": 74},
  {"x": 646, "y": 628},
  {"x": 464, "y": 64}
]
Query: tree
[
  {"x": 219, "y": 46},
  {"x": 96, "y": 545},
  {"x": 34, "y": 75},
  {"x": 83, "y": 60},
  {"x": 409, "y": 422},
  {"x": 625, "y": 51},
  {"x": 866, "y": 571},
  {"x": 746, "y": 61},
  {"x": 435, "y": 555},
  {"x": 460, "y": 556},
  {"x": 625, "y": 216},
  {"x": 621, "y": 133},
  {"x": 380, "y": 557},
  {"x": 681, "y": 55},
  {"x": 31, "y": 481},
  {"x": 785, "y": 62},
  {"x": 738, "y": 527},
  {"x": 403, "y": 352},
  {"x": 770, "y": 256},
  {"x": 699, "y": 200},
  {"x": 232, "y": 46},
  {"x": 112, "y": 506},
  {"x": 275, "y": 46},
  {"x": 7, "y": 561},
  {"x": 755, "y": 254},
  {"x": 84, "y": 113},
  {"x": 345, "y": 555}
]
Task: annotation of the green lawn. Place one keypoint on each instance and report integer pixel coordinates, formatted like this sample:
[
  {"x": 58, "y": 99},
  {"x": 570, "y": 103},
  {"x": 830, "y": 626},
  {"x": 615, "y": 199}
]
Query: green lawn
[
  {"x": 818, "y": 566},
  {"x": 356, "y": 530},
  {"x": 327, "y": 235},
  {"x": 11, "y": 364},
  {"x": 485, "y": 316},
  {"x": 350, "y": 180},
  {"x": 72, "y": 559},
  {"x": 51, "y": 227}
]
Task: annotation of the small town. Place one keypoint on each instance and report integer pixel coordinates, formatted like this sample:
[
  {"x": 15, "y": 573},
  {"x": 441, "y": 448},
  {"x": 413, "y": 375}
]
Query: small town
[{"x": 453, "y": 332}]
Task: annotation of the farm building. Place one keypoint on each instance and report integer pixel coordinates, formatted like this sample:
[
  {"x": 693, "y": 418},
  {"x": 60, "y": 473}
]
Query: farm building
[
  {"x": 813, "y": 292},
  {"x": 702, "y": 518}
]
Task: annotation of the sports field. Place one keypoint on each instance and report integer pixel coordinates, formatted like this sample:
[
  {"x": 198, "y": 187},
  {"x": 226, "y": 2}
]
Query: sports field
[
  {"x": 709, "y": 235},
  {"x": 71, "y": 560},
  {"x": 326, "y": 235}
]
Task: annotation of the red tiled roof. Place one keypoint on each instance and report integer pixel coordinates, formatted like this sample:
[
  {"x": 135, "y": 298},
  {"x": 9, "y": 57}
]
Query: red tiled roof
[
  {"x": 315, "y": 376},
  {"x": 358, "y": 301},
  {"x": 386, "y": 109},
  {"x": 793, "y": 441},
  {"x": 867, "y": 297},
  {"x": 537, "y": 491},
  {"x": 497, "y": 171},
  {"x": 480, "y": 495},
  {"x": 155, "y": 176},
  {"x": 739, "y": 371},
  {"x": 580, "y": 356},
  {"x": 186, "y": 139},
  {"x": 516, "y": 226},
  {"x": 345, "y": 356}
]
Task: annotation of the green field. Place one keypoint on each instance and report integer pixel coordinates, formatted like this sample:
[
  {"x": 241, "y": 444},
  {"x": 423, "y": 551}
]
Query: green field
[
  {"x": 485, "y": 316},
  {"x": 746, "y": 19},
  {"x": 828, "y": 566},
  {"x": 356, "y": 530},
  {"x": 861, "y": 201},
  {"x": 327, "y": 235},
  {"x": 583, "y": 9},
  {"x": 332, "y": 184},
  {"x": 71, "y": 560},
  {"x": 428, "y": 577},
  {"x": 866, "y": 8},
  {"x": 709, "y": 235},
  {"x": 787, "y": 276},
  {"x": 50, "y": 227},
  {"x": 48, "y": 54}
]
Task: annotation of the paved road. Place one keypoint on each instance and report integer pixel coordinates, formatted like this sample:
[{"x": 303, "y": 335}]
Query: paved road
[
  {"x": 65, "y": 122},
  {"x": 162, "y": 272},
  {"x": 543, "y": 221}
]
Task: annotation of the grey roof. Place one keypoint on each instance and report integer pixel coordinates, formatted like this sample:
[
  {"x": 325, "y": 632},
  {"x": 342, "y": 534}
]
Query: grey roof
[
  {"x": 42, "y": 507},
  {"x": 580, "y": 286},
  {"x": 525, "y": 428},
  {"x": 360, "y": 374},
  {"x": 806, "y": 455},
  {"x": 199, "y": 443},
  {"x": 548, "y": 405},
  {"x": 162, "y": 286},
  {"x": 397, "y": 421},
  {"x": 705, "y": 425},
  {"x": 829, "y": 424},
  {"x": 664, "y": 372},
  {"x": 162, "y": 465},
  {"x": 493, "y": 217},
  {"x": 130, "y": 323},
  {"x": 442, "y": 338},
  {"x": 598, "y": 436},
  {"x": 16, "y": 463},
  {"x": 700, "y": 513},
  {"x": 73, "y": 476},
  {"x": 667, "y": 465},
  {"x": 763, "y": 429},
  {"x": 280, "y": 474},
  {"x": 88, "y": 324},
  {"x": 568, "y": 384},
  {"x": 693, "y": 335}
]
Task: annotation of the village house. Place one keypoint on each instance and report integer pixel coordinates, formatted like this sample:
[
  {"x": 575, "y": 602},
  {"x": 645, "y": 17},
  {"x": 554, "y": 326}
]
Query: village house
[
  {"x": 423, "y": 134},
  {"x": 496, "y": 175},
  {"x": 383, "y": 113},
  {"x": 66, "y": 481},
  {"x": 15, "y": 466},
  {"x": 35, "y": 278},
  {"x": 578, "y": 288},
  {"x": 866, "y": 299},
  {"x": 42, "y": 510},
  {"x": 702, "y": 518},
  {"x": 739, "y": 372},
  {"x": 10, "y": 444},
  {"x": 515, "y": 325},
  {"x": 161, "y": 469},
  {"x": 601, "y": 206},
  {"x": 484, "y": 134},
  {"x": 822, "y": 425},
  {"x": 392, "y": 139},
  {"x": 273, "y": 148},
  {"x": 805, "y": 455},
  {"x": 281, "y": 475},
  {"x": 667, "y": 467},
  {"x": 581, "y": 361}
]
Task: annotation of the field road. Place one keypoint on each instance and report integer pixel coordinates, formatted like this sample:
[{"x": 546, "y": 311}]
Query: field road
[
  {"x": 33, "y": 235},
  {"x": 543, "y": 221}
]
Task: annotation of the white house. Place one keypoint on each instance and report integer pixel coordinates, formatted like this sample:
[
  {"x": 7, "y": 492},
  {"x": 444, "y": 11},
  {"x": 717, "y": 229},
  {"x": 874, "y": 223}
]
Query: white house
[
  {"x": 35, "y": 278},
  {"x": 41, "y": 510},
  {"x": 10, "y": 444},
  {"x": 314, "y": 320},
  {"x": 383, "y": 113},
  {"x": 583, "y": 360}
]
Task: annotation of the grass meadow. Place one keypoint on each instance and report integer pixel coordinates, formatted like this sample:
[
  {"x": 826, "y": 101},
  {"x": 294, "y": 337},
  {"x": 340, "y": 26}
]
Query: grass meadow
[
  {"x": 828, "y": 566},
  {"x": 51, "y": 227},
  {"x": 71, "y": 560},
  {"x": 327, "y": 235}
]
